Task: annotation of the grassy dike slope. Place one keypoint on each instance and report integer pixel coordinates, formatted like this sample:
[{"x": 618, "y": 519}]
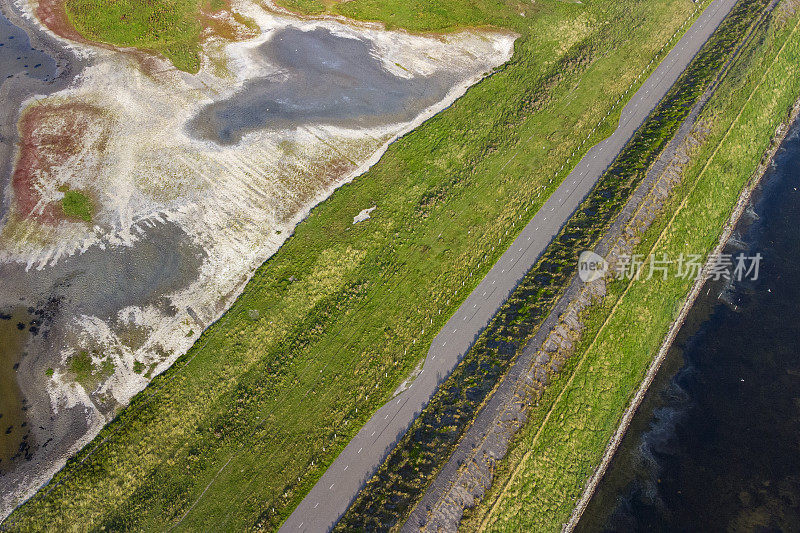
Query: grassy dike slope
[
  {"x": 546, "y": 470},
  {"x": 248, "y": 420}
]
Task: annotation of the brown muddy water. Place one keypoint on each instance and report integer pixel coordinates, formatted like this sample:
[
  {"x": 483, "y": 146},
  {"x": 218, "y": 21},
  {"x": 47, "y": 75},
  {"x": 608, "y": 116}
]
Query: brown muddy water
[{"x": 14, "y": 433}]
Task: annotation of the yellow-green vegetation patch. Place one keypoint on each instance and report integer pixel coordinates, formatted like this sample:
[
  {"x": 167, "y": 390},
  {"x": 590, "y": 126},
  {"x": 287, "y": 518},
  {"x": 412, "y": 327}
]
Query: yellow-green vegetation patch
[
  {"x": 171, "y": 27},
  {"x": 545, "y": 472},
  {"x": 81, "y": 365},
  {"x": 418, "y": 15},
  {"x": 86, "y": 371},
  {"x": 307, "y": 7},
  {"x": 75, "y": 204}
]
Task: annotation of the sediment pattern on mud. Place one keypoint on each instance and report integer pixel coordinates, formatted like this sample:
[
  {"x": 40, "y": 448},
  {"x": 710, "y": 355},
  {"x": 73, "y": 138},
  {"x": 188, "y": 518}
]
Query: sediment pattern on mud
[{"x": 176, "y": 225}]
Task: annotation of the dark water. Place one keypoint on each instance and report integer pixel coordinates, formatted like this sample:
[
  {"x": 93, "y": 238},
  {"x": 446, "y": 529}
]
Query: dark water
[
  {"x": 17, "y": 57},
  {"x": 29, "y": 64},
  {"x": 716, "y": 443},
  {"x": 323, "y": 78},
  {"x": 36, "y": 312}
]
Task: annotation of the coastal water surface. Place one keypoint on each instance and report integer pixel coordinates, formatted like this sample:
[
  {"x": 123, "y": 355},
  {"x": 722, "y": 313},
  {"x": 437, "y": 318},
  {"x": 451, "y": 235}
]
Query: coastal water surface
[{"x": 715, "y": 445}]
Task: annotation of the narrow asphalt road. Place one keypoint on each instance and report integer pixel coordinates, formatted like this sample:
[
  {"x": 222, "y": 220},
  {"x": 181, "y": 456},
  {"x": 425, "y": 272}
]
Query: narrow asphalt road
[{"x": 339, "y": 485}]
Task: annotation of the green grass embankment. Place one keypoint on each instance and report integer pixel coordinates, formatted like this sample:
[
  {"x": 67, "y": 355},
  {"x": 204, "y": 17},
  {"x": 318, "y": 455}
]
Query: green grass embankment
[
  {"x": 173, "y": 28},
  {"x": 249, "y": 418},
  {"x": 412, "y": 465},
  {"x": 565, "y": 437}
]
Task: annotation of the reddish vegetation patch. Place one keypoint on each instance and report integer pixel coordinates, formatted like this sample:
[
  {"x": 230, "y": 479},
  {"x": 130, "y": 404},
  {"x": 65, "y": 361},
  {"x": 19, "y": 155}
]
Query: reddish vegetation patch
[
  {"x": 53, "y": 14},
  {"x": 307, "y": 187},
  {"x": 221, "y": 27},
  {"x": 50, "y": 137},
  {"x": 335, "y": 171}
]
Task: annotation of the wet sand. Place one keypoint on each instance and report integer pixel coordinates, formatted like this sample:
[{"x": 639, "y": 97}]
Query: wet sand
[
  {"x": 98, "y": 283},
  {"x": 37, "y": 306}
]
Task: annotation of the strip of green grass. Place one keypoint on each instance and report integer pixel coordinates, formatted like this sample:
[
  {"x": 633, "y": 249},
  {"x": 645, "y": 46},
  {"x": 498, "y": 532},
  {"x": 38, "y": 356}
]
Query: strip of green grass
[
  {"x": 419, "y": 15},
  {"x": 173, "y": 27},
  {"x": 566, "y": 435},
  {"x": 224, "y": 435}
]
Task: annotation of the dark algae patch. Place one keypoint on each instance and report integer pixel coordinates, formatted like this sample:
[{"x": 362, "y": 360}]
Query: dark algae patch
[
  {"x": 714, "y": 444},
  {"x": 391, "y": 494}
]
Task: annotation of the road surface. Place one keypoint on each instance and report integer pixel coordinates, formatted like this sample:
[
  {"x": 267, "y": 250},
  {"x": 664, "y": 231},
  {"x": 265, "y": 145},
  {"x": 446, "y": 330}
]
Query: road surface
[{"x": 339, "y": 485}]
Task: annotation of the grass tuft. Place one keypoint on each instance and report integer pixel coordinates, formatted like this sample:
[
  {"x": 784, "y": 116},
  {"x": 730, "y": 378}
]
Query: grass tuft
[{"x": 77, "y": 205}]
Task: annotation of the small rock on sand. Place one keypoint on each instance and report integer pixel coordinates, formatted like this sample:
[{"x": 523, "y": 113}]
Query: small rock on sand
[{"x": 363, "y": 215}]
